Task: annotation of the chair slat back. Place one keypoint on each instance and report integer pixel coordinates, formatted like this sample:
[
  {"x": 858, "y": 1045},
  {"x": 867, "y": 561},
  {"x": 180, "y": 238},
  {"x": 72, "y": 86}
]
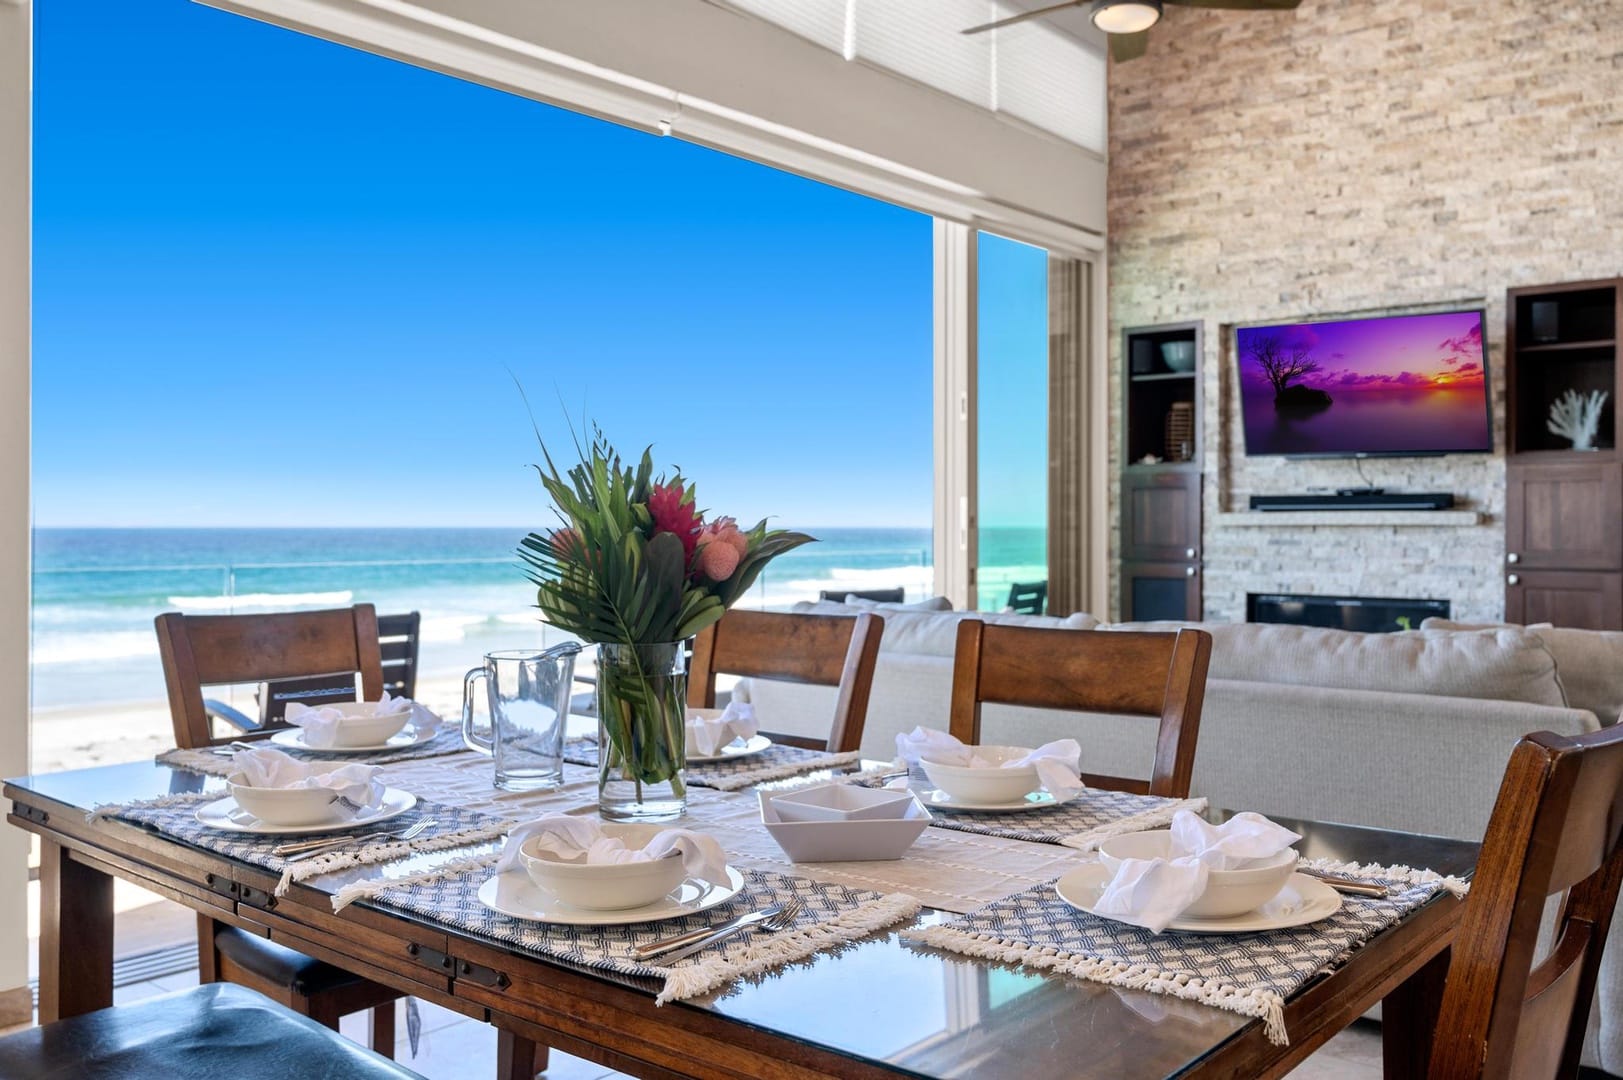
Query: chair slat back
[
  {"x": 1100, "y": 671},
  {"x": 879, "y": 596},
  {"x": 1555, "y": 827},
  {"x": 821, "y": 650},
  {"x": 1028, "y": 598},
  {"x": 398, "y": 640},
  {"x": 214, "y": 650}
]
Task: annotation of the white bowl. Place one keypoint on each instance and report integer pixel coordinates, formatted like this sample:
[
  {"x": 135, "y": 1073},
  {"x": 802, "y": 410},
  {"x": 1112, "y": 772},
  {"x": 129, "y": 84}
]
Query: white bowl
[
  {"x": 841, "y": 802},
  {"x": 1228, "y": 892},
  {"x": 845, "y": 841},
  {"x": 289, "y": 806},
  {"x": 605, "y": 886},
  {"x": 360, "y": 727},
  {"x": 987, "y": 785}
]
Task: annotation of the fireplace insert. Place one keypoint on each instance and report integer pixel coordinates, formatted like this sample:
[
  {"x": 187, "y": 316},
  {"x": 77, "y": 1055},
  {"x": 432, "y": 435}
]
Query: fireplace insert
[{"x": 1371, "y": 614}]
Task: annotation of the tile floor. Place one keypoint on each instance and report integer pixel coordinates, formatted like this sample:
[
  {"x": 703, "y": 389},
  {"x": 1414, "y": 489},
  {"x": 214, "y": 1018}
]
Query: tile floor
[{"x": 454, "y": 1047}]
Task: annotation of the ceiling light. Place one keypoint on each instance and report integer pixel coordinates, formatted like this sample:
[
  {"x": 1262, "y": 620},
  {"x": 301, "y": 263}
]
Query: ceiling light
[{"x": 1125, "y": 16}]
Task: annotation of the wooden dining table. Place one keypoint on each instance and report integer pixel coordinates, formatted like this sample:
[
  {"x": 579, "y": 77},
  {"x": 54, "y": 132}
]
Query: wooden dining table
[{"x": 878, "y": 1007}]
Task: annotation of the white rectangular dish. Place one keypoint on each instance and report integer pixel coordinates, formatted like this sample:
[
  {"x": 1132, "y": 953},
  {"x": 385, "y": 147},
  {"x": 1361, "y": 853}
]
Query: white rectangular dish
[
  {"x": 841, "y": 802},
  {"x": 845, "y": 841}
]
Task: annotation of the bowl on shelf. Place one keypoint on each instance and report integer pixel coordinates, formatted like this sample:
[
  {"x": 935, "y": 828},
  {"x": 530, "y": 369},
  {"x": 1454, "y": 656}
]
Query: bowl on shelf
[
  {"x": 859, "y": 840},
  {"x": 1228, "y": 892},
  {"x": 605, "y": 886},
  {"x": 1178, "y": 355},
  {"x": 989, "y": 784},
  {"x": 841, "y": 802},
  {"x": 290, "y": 806}
]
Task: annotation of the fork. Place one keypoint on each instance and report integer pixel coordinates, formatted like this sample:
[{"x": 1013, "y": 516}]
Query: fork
[
  {"x": 305, "y": 849},
  {"x": 767, "y": 919}
]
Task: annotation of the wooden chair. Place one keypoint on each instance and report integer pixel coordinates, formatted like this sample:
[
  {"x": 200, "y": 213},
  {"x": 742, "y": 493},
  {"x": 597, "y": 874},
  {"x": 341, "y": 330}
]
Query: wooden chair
[
  {"x": 1101, "y": 671},
  {"x": 209, "y": 650},
  {"x": 1555, "y": 828},
  {"x": 1027, "y": 598},
  {"x": 822, "y": 650},
  {"x": 398, "y": 641},
  {"x": 897, "y": 595}
]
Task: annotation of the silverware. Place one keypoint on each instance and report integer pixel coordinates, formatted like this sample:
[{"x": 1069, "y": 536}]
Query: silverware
[
  {"x": 698, "y": 939},
  {"x": 298, "y": 852},
  {"x": 1346, "y": 885},
  {"x": 233, "y": 747},
  {"x": 783, "y": 920}
]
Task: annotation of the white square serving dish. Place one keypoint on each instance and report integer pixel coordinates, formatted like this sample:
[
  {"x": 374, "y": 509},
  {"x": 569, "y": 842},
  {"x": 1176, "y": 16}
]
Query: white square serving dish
[
  {"x": 841, "y": 802},
  {"x": 845, "y": 841}
]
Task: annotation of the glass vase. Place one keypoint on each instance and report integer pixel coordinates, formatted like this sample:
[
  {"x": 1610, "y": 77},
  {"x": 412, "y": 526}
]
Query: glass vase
[{"x": 641, "y": 731}]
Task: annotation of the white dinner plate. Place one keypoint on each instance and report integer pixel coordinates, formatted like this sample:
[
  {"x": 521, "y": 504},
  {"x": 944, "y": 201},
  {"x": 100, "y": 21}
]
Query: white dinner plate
[
  {"x": 293, "y": 739},
  {"x": 1082, "y": 887},
  {"x": 226, "y": 815},
  {"x": 1037, "y": 800},
  {"x": 735, "y": 749},
  {"x": 513, "y": 893}
]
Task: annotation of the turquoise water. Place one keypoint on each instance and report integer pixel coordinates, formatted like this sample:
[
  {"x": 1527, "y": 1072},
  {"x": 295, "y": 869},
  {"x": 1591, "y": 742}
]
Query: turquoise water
[{"x": 96, "y": 591}]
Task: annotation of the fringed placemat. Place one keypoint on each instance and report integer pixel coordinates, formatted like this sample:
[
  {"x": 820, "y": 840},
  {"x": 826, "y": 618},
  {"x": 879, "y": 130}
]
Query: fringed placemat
[
  {"x": 1084, "y": 823},
  {"x": 210, "y": 762},
  {"x": 175, "y": 816},
  {"x": 1250, "y": 974},
  {"x": 735, "y": 774}
]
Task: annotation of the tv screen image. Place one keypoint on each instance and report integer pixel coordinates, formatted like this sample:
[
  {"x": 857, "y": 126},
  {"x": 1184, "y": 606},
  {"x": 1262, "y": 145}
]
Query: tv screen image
[{"x": 1404, "y": 384}]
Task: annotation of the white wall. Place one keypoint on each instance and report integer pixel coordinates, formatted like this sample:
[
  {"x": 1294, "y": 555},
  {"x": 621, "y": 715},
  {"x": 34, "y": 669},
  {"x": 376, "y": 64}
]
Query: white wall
[{"x": 16, "y": 56}]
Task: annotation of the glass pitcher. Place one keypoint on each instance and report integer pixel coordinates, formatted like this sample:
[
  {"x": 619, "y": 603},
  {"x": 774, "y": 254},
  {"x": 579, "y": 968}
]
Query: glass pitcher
[{"x": 528, "y": 695}]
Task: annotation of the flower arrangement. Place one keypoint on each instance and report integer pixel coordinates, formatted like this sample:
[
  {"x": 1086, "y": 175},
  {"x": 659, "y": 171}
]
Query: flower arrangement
[{"x": 637, "y": 569}]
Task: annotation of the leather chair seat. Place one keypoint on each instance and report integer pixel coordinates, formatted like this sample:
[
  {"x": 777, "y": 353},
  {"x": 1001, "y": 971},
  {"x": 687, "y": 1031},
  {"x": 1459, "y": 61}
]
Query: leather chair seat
[
  {"x": 213, "y": 1032},
  {"x": 280, "y": 965}
]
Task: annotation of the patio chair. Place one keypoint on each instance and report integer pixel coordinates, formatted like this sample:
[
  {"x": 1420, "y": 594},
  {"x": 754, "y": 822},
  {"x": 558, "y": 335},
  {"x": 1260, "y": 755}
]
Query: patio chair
[
  {"x": 1555, "y": 828},
  {"x": 211, "y": 650},
  {"x": 210, "y": 1032},
  {"x": 879, "y": 596},
  {"x": 822, "y": 650},
  {"x": 1161, "y": 676},
  {"x": 1028, "y": 598}
]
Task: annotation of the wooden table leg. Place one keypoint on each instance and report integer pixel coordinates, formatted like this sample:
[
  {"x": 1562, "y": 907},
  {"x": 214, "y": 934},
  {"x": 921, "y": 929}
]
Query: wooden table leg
[
  {"x": 75, "y": 936},
  {"x": 1409, "y": 1018}
]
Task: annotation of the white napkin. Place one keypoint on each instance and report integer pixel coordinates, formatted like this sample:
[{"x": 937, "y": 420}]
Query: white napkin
[
  {"x": 1153, "y": 892},
  {"x": 1056, "y": 762},
  {"x": 321, "y": 722},
  {"x": 1241, "y": 842},
  {"x": 570, "y": 837},
  {"x": 706, "y": 734},
  {"x": 270, "y": 768}
]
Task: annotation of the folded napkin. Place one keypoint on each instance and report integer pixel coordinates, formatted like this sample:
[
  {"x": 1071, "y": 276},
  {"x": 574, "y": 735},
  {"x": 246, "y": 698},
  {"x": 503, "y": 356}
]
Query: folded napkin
[
  {"x": 1056, "y": 762},
  {"x": 581, "y": 838},
  {"x": 321, "y": 723},
  {"x": 270, "y": 768},
  {"x": 707, "y": 734},
  {"x": 1153, "y": 892}
]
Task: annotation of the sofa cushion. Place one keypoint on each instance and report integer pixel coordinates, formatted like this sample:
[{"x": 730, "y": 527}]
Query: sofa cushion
[
  {"x": 1589, "y": 664},
  {"x": 934, "y": 603},
  {"x": 1508, "y": 664},
  {"x": 935, "y": 633}
]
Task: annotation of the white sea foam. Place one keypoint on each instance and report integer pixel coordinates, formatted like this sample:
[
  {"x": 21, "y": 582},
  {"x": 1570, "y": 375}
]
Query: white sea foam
[
  {"x": 56, "y": 648},
  {"x": 338, "y": 598}
]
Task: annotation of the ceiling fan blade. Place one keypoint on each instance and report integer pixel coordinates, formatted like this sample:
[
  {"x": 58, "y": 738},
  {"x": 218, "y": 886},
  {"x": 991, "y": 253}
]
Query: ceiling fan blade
[
  {"x": 1128, "y": 46},
  {"x": 1240, "y": 5},
  {"x": 1022, "y": 17}
]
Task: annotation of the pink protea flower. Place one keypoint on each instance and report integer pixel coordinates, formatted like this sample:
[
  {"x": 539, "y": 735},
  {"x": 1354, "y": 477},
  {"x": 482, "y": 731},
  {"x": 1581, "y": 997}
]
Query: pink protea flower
[
  {"x": 672, "y": 510},
  {"x": 722, "y": 546}
]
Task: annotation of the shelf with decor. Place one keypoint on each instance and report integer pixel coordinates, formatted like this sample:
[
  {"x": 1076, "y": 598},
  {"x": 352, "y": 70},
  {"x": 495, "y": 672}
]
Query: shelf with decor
[
  {"x": 1563, "y": 488},
  {"x": 1160, "y": 477}
]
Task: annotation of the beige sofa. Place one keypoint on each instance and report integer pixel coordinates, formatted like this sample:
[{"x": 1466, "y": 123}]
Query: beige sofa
[{"x": 1405, "y": 731}]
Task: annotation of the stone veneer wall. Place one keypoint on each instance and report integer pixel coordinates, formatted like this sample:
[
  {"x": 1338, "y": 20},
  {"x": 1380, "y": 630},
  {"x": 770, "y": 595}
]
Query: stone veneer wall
[{"x": 1359, "y": 157}]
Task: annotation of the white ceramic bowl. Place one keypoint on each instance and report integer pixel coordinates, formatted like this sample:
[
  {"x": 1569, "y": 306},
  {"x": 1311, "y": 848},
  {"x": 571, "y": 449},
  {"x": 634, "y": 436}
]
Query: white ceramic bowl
[
  {"x": 606, "y": 886},
  {"x": 359, "y": 727},
  {"x": 988, "y": 785},
  {"x": 289, "y": 806},
  {"x": 845, "y": 841},
  {"x": 1228, "y": 892},
  {"x": 841, "y": 802}
]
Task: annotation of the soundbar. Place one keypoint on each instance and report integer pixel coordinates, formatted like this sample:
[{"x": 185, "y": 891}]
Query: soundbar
[{"x": 1377, "y": 500}]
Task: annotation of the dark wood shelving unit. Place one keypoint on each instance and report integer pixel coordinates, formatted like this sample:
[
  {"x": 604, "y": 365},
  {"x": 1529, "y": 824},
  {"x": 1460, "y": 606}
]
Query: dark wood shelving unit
[
  {"x": 1161, "y": 501},
  {"x": 1563, "y": 507}
]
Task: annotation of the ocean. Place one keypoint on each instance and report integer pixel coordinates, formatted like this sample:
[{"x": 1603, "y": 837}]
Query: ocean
[{"x": 96, "y": 591}]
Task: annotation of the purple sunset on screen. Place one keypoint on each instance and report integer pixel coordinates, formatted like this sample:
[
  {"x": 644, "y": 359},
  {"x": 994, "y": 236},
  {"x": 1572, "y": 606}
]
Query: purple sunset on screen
[{"x": 1408, "y": 384}]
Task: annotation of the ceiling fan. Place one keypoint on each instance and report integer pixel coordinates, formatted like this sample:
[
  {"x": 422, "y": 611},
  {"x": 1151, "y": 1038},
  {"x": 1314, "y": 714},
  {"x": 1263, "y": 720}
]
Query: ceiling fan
[{"x": 1128, "y": 21}]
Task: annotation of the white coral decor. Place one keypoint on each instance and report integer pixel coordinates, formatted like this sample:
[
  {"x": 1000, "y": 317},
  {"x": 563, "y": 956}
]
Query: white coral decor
[{"x": 1577, "y": 416}]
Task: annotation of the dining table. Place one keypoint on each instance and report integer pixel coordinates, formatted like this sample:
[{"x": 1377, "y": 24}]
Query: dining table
[{"x": 876, "y": 1005}]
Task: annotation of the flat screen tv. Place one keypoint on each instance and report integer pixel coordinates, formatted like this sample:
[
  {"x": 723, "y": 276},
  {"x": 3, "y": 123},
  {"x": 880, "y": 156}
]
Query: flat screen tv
[{"x": 1399, "y": 385}]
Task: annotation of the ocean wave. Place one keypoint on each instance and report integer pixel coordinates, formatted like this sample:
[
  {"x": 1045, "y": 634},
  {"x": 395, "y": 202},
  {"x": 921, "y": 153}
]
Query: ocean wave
[
  {"x": 79, "y": 648},
  {"x": 339, "y": 598}
]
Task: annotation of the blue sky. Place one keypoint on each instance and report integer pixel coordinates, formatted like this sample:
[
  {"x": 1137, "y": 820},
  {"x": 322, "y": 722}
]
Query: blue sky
[{"x": 281, "y": 282}]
